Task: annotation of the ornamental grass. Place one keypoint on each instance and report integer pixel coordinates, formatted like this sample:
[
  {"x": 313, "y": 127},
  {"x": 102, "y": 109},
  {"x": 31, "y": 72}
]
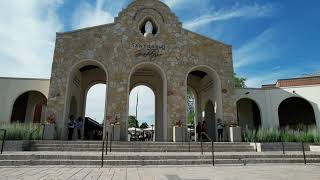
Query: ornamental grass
[
  {"x": 308, "y": 135},
  {"x": 20, "y": 131}
]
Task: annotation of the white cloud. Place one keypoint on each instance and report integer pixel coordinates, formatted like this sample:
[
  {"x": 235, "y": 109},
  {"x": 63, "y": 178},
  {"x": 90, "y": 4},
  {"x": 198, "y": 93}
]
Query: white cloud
[
  {"x": 261, "y": 48},
  {"x": 173, "y": 3},
  {"x": 27, "y": 37},
  {"x": 237, "y": 11},
  {"x": 95, "y": 104},
  {"x": 102, "y": 12},
  {"x": 146, "y": 104}
]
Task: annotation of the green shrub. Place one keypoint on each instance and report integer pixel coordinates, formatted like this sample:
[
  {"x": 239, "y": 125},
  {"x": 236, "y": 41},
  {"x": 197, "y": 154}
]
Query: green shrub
[
  {"x": 308, "y": 135},
  {"x": 18, "y": 131}
]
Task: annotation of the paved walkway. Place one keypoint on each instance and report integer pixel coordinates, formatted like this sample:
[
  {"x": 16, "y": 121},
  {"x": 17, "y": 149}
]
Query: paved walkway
[{"x": 253, "y": 172}]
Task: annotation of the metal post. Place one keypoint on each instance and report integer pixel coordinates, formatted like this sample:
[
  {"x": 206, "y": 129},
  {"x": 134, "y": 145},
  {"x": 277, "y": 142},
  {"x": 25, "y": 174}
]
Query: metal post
[
  {"x": 189, "y": 141},
  {"x": 283, "y": 152},
  {"x": 304, "y": 154},
  {"x": 3, "y": 139},
  {"x": 102, "y": 153},
  {"x": 112, "y": 134},
  {"x": 212, "y": 150},
  {"x": 201, "y": 144},
  {"x": 107, "y": 143}
]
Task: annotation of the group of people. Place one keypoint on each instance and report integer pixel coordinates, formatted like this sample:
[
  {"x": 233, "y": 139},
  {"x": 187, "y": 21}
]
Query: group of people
[
  {"x": 145, "y": 136},
  {"x": 75, "y": 124},
  {"x": 202, "y": 128}
]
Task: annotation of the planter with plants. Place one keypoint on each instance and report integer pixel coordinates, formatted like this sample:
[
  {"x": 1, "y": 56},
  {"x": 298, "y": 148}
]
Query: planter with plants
[
  {"x": 50, "y": 128},
  {"x": 235, "y": 132},
  {"x": 178, "y": 132}
]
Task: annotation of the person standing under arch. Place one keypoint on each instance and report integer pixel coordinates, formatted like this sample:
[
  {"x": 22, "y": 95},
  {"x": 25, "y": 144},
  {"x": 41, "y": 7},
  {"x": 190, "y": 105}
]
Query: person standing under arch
[
  {"x": 220, "y": 127},
  {"x": 70, "y": 127}
]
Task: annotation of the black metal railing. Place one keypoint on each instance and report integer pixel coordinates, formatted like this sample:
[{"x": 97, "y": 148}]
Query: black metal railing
[
  {"x": 3, "y": 138},
  {"x": 304, "y": 154},
  {"x": 112, "y": 137},
  {"x": 212, "y": 145},
  {"x": 102, "y": 152}
]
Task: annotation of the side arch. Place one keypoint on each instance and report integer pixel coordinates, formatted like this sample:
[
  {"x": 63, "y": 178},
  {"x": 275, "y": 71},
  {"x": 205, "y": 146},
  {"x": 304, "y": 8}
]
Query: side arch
[
  {"x": 296, "y": 112},
  {"x": 29, "y": 107},
  {"x": 248, "y": 113}
]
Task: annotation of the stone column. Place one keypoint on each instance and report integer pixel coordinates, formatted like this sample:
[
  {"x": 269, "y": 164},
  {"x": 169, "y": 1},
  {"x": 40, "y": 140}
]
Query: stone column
[
  {"x": 117, "y": 100},
  {"x": 177, "y": 99}
]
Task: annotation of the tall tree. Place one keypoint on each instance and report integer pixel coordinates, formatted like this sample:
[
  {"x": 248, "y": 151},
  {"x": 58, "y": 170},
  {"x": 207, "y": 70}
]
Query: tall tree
[
  {"x": 133, "y": 122},
  {"x": 144, "y": 125},
  {"x": 240, "y": 82}
]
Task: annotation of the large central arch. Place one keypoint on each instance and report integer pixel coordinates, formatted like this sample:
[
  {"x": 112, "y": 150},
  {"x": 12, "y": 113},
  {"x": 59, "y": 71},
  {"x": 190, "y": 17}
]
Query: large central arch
[
  {"x": 82, "y": 77},
  {"x": 152, "y": 76}
]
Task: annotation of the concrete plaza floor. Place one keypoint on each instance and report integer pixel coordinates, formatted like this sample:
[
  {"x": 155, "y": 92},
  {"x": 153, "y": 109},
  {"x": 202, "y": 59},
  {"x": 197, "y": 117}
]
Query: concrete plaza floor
[{"x": 250, "y": 172}]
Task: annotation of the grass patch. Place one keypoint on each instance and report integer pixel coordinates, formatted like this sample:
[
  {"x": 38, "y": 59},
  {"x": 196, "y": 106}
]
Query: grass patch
[
  {"x": 19, "y": 131},
  {"x": 311, "y": 135}
]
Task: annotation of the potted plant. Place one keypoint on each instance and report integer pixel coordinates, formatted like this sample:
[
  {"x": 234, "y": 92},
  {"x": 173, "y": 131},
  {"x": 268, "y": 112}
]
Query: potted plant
[
  {"x": 178, "y": 132},
  {"x": 50, "y": 128},
  {"x": 235, "y": 132}
]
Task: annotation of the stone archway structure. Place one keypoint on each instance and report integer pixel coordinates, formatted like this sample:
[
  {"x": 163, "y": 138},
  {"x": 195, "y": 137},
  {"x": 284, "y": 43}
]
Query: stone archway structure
[{"x": 146, "y": 35}]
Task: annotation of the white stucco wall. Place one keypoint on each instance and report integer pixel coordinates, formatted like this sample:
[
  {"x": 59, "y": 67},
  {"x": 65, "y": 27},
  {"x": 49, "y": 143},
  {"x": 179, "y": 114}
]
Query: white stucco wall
[
  {"x": 12, "y": 88},
  {"x": 269, "y": 100}
]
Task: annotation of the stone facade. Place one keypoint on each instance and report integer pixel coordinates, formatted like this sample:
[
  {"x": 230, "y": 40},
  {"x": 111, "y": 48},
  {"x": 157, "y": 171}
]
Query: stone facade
[{"x": 120, "y": 48}]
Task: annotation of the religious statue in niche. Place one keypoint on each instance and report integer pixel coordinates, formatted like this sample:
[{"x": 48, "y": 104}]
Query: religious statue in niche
[{"x": 148, "y": 27}]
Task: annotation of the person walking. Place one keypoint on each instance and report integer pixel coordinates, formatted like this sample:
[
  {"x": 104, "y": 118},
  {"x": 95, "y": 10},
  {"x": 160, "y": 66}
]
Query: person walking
[
  {"x": 220, "y": 127},
  {"x": 70, "y": 127},
  {"x": 79, "y": 125}
]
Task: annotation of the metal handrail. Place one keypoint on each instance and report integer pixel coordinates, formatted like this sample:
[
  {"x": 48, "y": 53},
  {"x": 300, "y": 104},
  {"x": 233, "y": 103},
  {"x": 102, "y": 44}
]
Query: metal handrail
[
  {"x": 212, "y": 145},
  {"x": 112, "y": 136},
  {"x": 3, "y": 139},
  {"x": 102, "y": 152},
  {"x": 104, "y": 142},
  {"x": 304, "y": 154}
]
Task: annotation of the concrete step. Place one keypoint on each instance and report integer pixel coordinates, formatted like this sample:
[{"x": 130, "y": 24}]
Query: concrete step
[
  {"x": 141, "y": 146},
  {"x": 151, "y": 157},
  {"x": 135, "y": 142},
  {"x": 151, "y": 162},
  {"x": 245, "y": 149}
]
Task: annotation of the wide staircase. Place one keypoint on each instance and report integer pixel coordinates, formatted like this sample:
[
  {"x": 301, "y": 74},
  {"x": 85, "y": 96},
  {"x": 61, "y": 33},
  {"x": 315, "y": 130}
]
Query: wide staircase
[
  {"x": 89, "y": 153},
  {"x": 95, "y": 146}
]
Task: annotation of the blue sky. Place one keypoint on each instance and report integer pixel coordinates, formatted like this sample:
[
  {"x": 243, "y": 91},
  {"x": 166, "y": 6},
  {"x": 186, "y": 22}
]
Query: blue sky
[{"x": 271, "y": 39}]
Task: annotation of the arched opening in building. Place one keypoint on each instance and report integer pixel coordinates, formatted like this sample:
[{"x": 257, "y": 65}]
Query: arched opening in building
[
  {"x": 296, "y": 113},
  {"x": 206, "y": 85},
  {"x": 191, "y": 114},
  {"x": 141, "y": 121},
  {"x": 248, "y": 114},
  {"x": 29, "y": 107},
  {"x": 94, "y": 112},
  {"x": 85, "y": 78},
  {"x": 151, "y": 76}
]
